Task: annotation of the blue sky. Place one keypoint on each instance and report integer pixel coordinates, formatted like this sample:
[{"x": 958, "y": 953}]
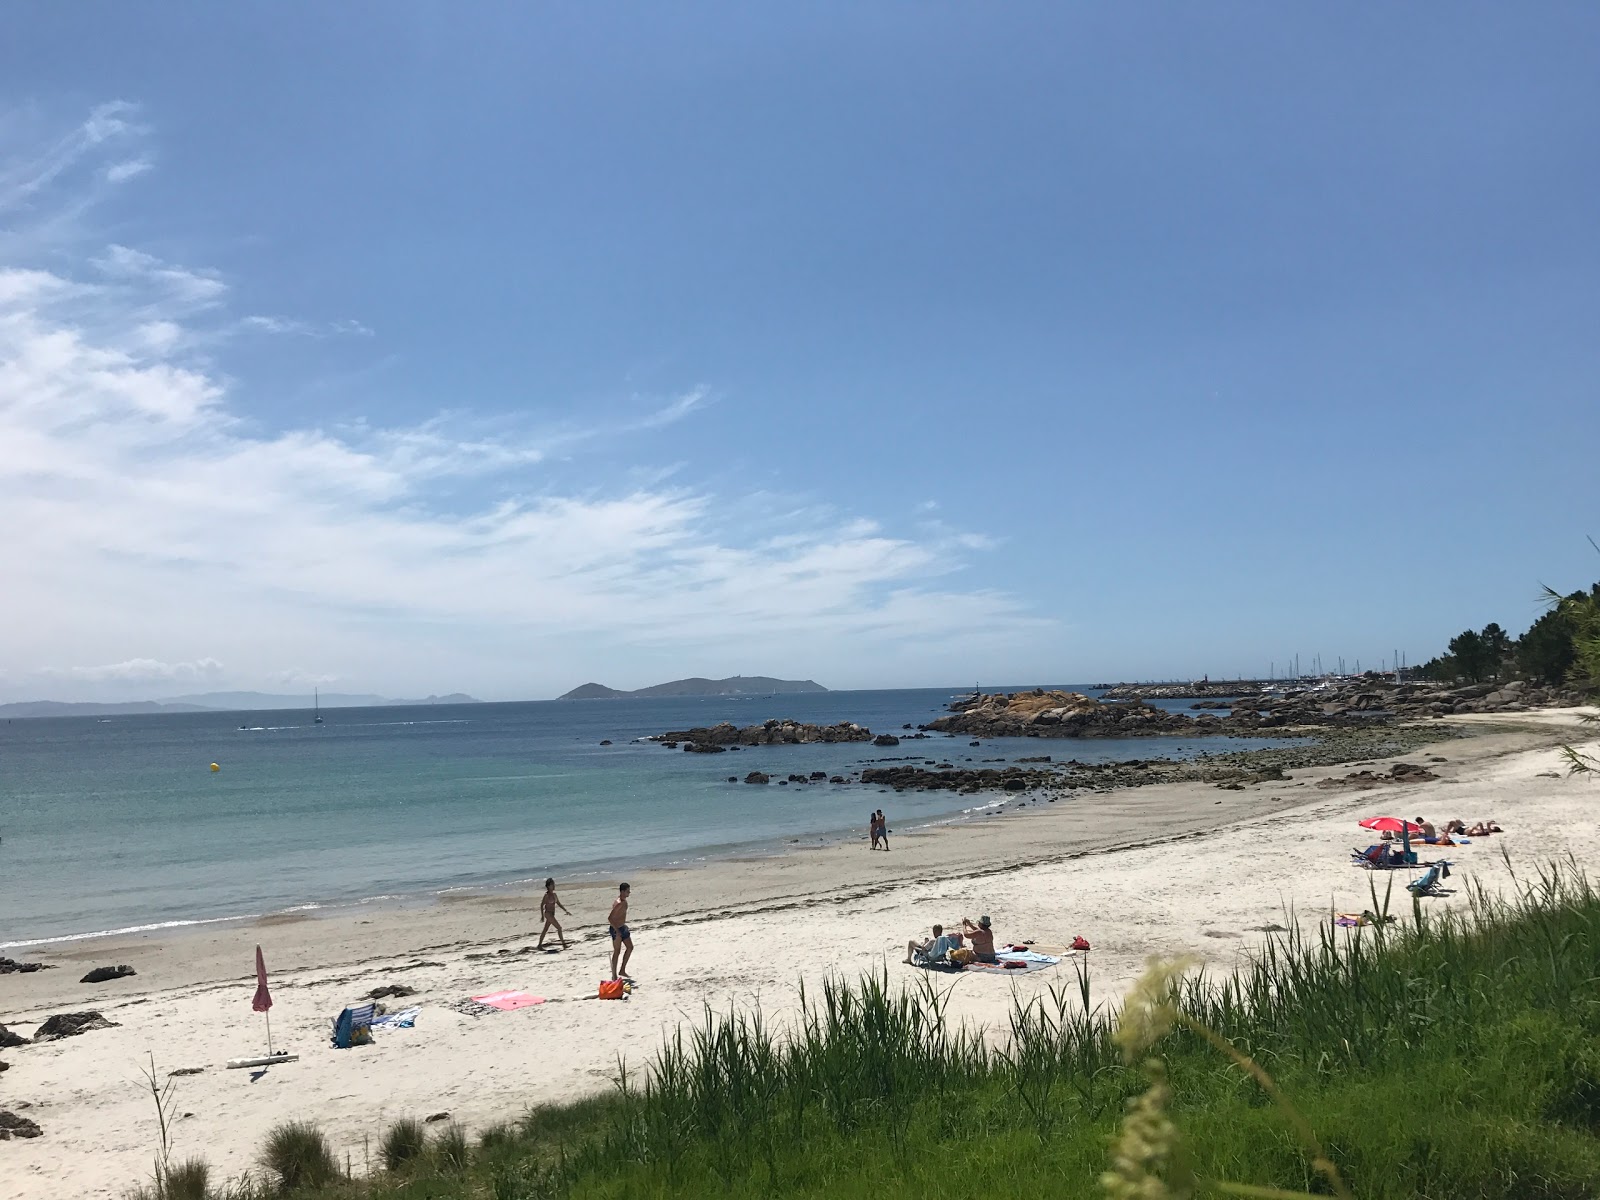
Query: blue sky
[{"x": 413, "y": 348}]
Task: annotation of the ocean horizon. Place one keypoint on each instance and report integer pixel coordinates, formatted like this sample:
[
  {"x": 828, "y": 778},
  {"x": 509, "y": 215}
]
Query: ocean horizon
[{"x": 118, "y": 825}]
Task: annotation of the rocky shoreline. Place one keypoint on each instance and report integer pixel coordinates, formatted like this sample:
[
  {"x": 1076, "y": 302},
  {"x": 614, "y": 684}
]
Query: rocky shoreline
[
  {"x": 712, "y": 738},
  {"x": 1235, "y": 769},
  {"x": 1350, "y": 703}
]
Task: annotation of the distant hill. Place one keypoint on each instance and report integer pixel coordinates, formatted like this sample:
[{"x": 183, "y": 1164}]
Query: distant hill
[
  {"x": 734, "y": 685},
  {"x": 213, "y": 702}
]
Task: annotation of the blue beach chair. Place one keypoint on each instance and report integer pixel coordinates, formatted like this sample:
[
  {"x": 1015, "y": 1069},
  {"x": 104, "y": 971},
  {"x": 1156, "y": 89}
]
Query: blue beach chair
[
  {"x": 353, "y": 1026},
  {"x": 1430, "y": 881}
]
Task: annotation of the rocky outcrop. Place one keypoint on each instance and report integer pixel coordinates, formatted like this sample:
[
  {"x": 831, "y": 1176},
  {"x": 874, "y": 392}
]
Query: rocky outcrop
[
  {"x": 1057, "y": 714},
  {"x": 396, "y": 990},
  {"x": 757, "y": 777},
  {"x": 703, "y": 748},
  {"x": 70, "y": 1025},
  {"x": 886, "y": 739},
  {"x": 101, "y": 974},
  {"x": 13, "y": 1126},
  {"x": 1181, "y": 691},
  {"x": 8, "y": 1038},
  {"x": 768, "y": 733}
]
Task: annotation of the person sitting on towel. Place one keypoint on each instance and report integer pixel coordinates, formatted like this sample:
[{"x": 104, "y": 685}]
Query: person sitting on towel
[
  {"x": 981, "y": 937},
  {"x": 936, "y": 947},
  {"x": 1429, "y": 833}
]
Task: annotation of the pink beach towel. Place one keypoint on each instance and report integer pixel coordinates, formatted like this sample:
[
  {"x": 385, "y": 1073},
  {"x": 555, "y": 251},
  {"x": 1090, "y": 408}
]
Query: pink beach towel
[{"x": 509, "y": 1001}]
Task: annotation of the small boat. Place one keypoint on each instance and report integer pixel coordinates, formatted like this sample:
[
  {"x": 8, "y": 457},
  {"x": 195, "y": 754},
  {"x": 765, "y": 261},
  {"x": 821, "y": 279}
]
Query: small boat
[{"x": 316, "y": 706}]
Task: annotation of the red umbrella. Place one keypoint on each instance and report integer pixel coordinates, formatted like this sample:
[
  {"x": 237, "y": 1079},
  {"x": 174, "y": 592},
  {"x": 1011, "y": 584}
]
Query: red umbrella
[
  {"x": 263, "y": 998},
  {"x": 1390, "y": 825}
]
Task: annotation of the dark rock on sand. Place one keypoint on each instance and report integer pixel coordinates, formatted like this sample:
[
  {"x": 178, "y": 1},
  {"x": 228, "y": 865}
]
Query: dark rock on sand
[
  {"x": 10, "y": 966},
  {"x": 9, "y": 1039},
  {"x": 13, "y": 1126},
  {"x": 435, "y": 1118},
  {"x": 605, "y": 741},
  {"x": 5, "y": 1066},
  {"x": 1366, "y": 780},
  {"x": 181, "y": 1071},
  {"x": 101, "y": 974},
  {"x": 70, "y": 1025},
  {"x": 397, "y": 990},
  {"x": 756, "y": 777}
]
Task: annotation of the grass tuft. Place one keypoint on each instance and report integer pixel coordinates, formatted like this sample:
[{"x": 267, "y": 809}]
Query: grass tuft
[
  {"x": 403, "y": 1141},
  {"x": 297, "y": 1156}
]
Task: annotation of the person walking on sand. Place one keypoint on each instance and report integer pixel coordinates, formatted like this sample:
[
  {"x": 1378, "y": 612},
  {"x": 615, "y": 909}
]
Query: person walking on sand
[
  {"x": 883, "y": 830},
  {"x": 621, "y": 937},
  {"x": 548, "y": 904},
  {"x": 872, "y": 828}
]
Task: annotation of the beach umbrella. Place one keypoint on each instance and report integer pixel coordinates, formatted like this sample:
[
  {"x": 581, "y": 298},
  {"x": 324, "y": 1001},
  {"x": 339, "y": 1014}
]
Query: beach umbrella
[
  {"x": 1394, "y": 825},
  {"x": 263, "y": 998},
  {"x": 1390, "y": 825}
]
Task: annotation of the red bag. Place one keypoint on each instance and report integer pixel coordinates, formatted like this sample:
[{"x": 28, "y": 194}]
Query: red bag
[
  {"x": 1079, "y": 944},
  {"x": 611, "y": 989}
]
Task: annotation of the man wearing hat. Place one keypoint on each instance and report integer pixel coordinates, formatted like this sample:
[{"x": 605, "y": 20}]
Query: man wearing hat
[{"x": 981, "y": 937}]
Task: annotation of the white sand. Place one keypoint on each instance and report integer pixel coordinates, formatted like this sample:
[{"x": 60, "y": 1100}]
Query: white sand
[{"x": 1201, "y": 871}]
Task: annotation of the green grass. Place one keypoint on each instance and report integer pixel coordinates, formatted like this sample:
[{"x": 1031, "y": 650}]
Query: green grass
[{"x": 1455, "y": 1055}]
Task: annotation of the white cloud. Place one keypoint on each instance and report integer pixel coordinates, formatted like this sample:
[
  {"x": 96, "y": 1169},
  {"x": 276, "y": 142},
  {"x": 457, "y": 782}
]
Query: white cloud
[
  {"x": 131, "y": 169},
  {"x": 145, "y": 514}
]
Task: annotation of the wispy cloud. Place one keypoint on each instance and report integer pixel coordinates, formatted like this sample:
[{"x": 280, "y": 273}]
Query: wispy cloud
[
  {"x": 145, "y": 515},
  {"x": 145, "y": 670},
  {"x": 129, "y": 169}
]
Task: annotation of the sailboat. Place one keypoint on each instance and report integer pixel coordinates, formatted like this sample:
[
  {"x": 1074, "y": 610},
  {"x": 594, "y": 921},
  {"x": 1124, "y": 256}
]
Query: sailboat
[{"x": 316, "y": 706}]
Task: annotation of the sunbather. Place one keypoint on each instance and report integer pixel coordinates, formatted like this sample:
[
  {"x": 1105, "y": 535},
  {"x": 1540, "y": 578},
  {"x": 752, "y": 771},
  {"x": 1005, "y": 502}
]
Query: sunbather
[
  {"x": 1429, "y": 833},
  {"x": 935, "y": 948},
  {"x": 981, "y": 937},
  {"x": 1456, "y": 826}
]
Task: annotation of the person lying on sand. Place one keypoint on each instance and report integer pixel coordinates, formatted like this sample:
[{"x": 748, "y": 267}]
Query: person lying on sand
[
  {"x": 935, "y": 948},
  {"x": 1483, "y": 829},
  {"x": 548, "y": 903},
  {"x": 981, "y": 937},
  {"x": 1456, "y": 826}
]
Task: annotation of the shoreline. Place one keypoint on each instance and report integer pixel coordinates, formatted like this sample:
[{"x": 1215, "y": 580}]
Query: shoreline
[
  {"x": 1317, "y": 747},
  {"x": 1163, "y": 869}
]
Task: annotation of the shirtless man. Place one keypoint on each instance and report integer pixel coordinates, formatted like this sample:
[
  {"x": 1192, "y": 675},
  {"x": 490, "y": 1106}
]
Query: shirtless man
[
  {"x": 935, "y": 948},
  {"x": 548, "y": 904},
  {"x": 620, "y": 936},
  {"x": 981, "y": 937}
]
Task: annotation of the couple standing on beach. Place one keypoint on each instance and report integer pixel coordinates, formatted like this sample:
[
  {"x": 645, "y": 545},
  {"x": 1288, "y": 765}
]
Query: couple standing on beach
[
  {"x": 616, "y": 925},
  {"x": 878, "y": 826}
]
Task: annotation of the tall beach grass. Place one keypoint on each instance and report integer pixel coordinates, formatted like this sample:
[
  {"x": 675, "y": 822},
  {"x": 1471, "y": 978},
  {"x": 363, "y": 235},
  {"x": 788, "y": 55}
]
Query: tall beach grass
[{"x": 1453, "y": 1054}]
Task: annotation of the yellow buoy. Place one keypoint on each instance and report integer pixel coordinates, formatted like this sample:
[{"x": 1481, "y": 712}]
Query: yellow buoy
[{"x": 215, "y": 767}]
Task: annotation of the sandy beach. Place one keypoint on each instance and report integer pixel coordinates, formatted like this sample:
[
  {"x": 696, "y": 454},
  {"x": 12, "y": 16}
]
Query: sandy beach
[{"x": 1148, "y": 871}]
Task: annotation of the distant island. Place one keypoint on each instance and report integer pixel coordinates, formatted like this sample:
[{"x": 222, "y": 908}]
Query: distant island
[
  {"x": 215, "y": 702},
  {"x": 734, "y": 685}
]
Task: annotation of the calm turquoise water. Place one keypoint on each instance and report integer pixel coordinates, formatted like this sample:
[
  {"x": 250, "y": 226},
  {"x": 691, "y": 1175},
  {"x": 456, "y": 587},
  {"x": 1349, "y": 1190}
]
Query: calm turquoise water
[{"x": 118, "y": 824}]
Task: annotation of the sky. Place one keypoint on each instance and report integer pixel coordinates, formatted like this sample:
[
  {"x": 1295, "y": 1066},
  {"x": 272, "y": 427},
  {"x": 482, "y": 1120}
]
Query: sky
[{"x": 411, "y": 348}]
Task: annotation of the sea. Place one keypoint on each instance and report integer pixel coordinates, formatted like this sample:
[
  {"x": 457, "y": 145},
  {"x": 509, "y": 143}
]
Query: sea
[{"x": 119, "y": 824}]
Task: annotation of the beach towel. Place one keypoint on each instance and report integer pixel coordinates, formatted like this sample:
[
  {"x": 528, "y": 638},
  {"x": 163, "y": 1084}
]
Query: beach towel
[
  {"x": 508, "y": 1001},
  {"x": 1030, "y": 961},
  {"x": 405, "y": 1019}
]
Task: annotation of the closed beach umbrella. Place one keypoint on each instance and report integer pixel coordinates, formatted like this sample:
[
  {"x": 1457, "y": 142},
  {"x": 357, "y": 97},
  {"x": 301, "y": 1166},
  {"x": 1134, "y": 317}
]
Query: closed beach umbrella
[{"x": 263, "y": 998}]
